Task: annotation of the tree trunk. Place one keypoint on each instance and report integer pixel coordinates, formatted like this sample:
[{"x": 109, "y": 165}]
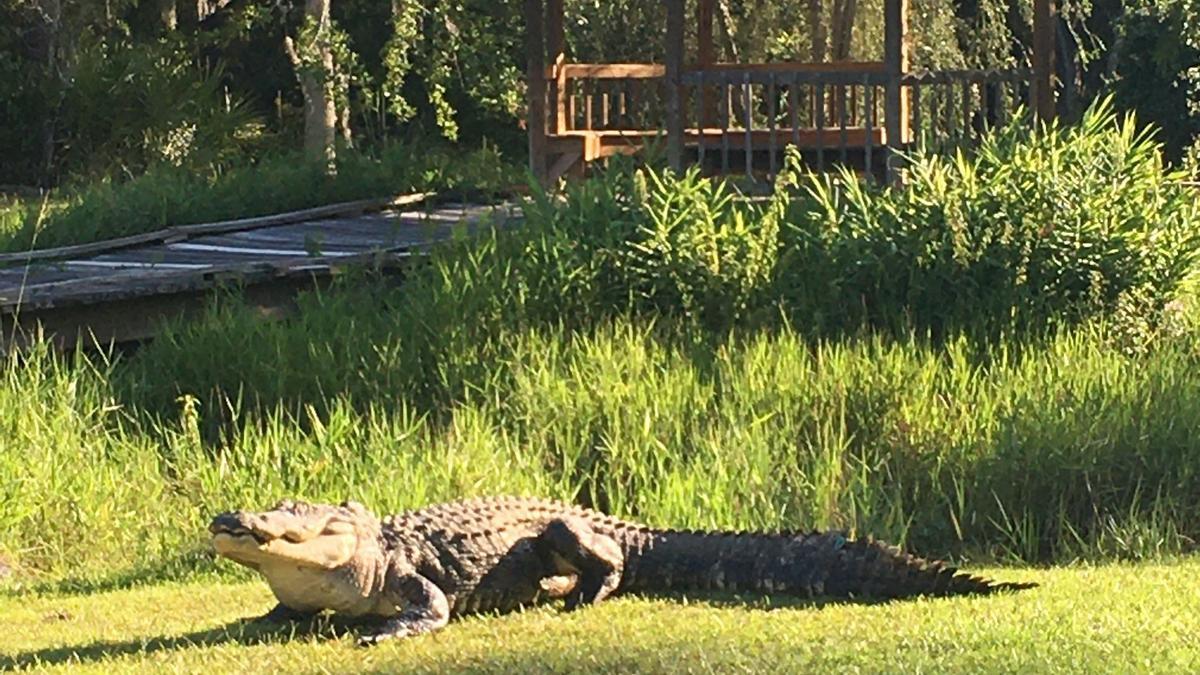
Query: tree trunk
[
  {"x": 168, "y": 15},
  {"x": 816, "y": 31},
  {"x": 51, "y": 11},
  {"x": 843, "y": 28},
  {"x": 729, "y": 30},
  {"x": 314, "y": 68}
]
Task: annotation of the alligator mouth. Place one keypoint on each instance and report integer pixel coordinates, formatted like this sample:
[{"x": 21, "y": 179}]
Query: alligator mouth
[{"x": 229, "y": 524}]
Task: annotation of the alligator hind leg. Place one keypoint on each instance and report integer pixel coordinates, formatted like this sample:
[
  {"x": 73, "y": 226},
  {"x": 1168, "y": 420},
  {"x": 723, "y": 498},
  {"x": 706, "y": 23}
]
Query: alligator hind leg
[{"x": 571, "y": 546}]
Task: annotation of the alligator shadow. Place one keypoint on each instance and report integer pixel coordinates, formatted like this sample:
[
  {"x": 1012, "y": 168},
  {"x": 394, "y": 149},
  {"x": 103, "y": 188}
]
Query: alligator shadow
[
  {"x": 327, "y": 627},
  {"x": 763, "y": 602},
  {"x": 243, "y": 632}
]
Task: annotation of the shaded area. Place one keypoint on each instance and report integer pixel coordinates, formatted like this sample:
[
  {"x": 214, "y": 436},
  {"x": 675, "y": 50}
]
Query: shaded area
[
  {"x": 251, "y": 631},
  {"x": 243, "y": 632}
]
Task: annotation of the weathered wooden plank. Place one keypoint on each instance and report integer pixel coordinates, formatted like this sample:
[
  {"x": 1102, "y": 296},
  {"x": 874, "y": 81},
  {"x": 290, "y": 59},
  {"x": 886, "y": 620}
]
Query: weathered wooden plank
[
  {"x": 341, "y": 241},
  {"x": 187, "y": 231},
  {"x": 140, "y": 318},
  {"x": 16, "y": 278},
  {"x": 302, "y": 251},
  {"x": 93, "y": 263},
  {"x": 176, "y": 259},
  {"x": 199, "y": 263},
  {"x": 763, "y": 77}
]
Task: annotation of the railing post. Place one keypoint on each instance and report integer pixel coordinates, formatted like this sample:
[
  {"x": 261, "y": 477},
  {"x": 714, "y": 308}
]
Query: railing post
[
  {"x": 674, "y": 75},
  {"x": 535, "y": 51},
  {"x": 895, "y": 58},
  {"x": 555, "y": 50},
  {"x": 1041, "y": 90},
  {"x": 705, "y": 56}
]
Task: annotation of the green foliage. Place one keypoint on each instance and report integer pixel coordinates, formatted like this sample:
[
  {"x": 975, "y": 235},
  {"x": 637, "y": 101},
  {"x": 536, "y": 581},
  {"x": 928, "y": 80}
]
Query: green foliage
[
  {"x": 1037, "y": 226},
  {"x": 312, "y": 42},
  {"x": 463, "y": 60},
  {"x": 613, "y": 354},
  {"x": 699, "y": 252},
  {"x": 1037, "y": 452},
  {"x": 1158, "y": 69},
  {"x": 130, "y": 109},
  {"x": 663, "y": 348}
]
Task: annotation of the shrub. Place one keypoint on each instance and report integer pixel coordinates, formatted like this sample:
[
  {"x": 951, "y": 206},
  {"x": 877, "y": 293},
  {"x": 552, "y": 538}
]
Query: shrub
[{"x": 1037, "y": 226}]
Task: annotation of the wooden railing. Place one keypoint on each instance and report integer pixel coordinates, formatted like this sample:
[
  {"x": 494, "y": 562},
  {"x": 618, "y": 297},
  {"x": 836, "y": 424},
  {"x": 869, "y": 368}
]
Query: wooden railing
[
  {"x": 740, "y": 117},
  {"x": 953, "y": 108}
]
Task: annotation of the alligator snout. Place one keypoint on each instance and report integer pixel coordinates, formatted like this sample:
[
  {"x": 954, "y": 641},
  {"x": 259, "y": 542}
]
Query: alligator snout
[{"x": 242, "y": 523}]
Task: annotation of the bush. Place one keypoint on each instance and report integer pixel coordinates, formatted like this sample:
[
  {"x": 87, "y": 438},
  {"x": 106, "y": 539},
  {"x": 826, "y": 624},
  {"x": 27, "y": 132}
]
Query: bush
[
  {"x": 1057, "y": 224},
  {"x": 1037, "y": 227}
]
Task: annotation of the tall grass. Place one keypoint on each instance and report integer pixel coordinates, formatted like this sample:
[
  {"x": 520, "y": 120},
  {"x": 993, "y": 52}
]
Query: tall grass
[
  {"x": 656, "y": 347},
  {"x": 1070, "y": 449}
]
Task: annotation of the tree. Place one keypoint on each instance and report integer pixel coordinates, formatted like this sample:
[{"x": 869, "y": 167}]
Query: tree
[{"x": 313, "y": 60}]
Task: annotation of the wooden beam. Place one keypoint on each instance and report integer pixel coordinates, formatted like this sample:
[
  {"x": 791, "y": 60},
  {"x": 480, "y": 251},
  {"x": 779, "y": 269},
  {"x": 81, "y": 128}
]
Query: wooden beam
[
  {"x": 609, "y": 71},
  {"x": 674, "y": 58},
  {"x": 535, "y": 51},
  {"x": 705, "y": 57},
  {"x": 1041, "y": 90},
  {"x": 556, "y": 57},
  {"x": 801, "y": 67},
  {"x": 895, "y": 59},
  {"x": 650, "y": 71}
]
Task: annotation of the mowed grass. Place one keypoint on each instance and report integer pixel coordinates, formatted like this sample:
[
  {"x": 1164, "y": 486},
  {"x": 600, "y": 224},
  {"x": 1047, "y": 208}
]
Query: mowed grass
[{"x": 1111, "y": 618}]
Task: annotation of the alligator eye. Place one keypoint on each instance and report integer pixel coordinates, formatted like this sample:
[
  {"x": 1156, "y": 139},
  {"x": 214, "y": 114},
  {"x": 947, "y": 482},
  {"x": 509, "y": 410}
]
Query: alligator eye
[
  {"x": 285, "y": 504},
  {"x": 339, "y": 527}
]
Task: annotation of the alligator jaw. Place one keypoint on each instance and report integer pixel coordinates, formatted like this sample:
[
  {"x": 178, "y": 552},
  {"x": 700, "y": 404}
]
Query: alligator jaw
[
  {"x": 235, "y": 525},
  {"x": 307, "y": 535}
]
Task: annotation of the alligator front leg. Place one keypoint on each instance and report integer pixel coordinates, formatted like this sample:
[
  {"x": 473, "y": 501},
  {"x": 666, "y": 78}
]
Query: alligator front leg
[
  {"x": 573, "y": 547},
  {"x": 425, "y": 608}
]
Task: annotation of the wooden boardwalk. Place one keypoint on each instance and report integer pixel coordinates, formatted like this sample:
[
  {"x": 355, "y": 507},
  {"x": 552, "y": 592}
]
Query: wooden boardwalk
[{"x": 122, "y": 290}]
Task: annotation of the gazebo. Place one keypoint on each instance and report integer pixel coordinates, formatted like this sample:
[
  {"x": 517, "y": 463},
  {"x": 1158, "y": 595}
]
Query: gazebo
[{"x": 735, "y": 117}]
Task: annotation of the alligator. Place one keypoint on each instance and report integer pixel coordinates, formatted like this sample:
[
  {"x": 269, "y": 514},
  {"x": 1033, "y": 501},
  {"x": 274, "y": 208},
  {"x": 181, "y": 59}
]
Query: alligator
[{"x": 410, "y": 573}]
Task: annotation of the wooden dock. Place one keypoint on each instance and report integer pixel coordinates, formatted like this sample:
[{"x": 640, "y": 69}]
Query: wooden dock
[{"x": 122, "y": 290}]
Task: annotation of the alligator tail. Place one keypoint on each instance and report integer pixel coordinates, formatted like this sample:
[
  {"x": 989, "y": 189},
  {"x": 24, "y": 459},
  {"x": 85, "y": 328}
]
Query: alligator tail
[
  {"x": 807, "y": 565},
  {"x": 870, "y": 568}
]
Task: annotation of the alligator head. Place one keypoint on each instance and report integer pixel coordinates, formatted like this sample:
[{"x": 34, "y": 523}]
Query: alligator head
[{"x": 314, "y": 536}]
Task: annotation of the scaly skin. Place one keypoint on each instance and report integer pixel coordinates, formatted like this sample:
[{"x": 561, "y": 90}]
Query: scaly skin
[{"x": 416, "y": 570}]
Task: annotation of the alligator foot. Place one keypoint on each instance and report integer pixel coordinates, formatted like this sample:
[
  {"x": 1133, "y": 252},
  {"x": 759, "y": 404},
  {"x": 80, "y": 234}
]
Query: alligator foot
[
  {"x": 574, "y": 547},
  {"x": 282, "y": 614},
  {"x": 399, "y": 627},
  {"x": 426, "y": 608}
]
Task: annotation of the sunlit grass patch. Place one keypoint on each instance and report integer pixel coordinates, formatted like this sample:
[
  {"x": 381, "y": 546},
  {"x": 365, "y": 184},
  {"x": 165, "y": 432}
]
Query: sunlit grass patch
[{"x": 1112, "y": 618}]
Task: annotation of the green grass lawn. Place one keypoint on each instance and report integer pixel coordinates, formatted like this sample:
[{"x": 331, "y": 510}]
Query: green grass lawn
[{"x": 1116, "y": 618}]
